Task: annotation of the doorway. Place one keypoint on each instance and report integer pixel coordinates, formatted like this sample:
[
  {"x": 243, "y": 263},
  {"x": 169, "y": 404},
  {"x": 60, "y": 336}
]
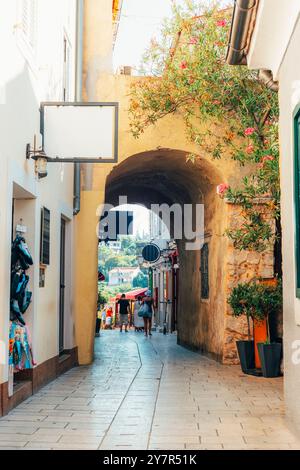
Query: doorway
[{"x": 62, "y": 284}]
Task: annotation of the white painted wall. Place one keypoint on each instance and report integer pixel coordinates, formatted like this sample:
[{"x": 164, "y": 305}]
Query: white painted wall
[
  {"x": 289, "y": 77},
  {"x": 28, "y": 76},
  {"x": 274, "y": 24},
  {"x": 275, "y": 46}
]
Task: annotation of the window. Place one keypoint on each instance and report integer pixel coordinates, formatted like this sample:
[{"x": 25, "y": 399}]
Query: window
[
  {"x": 204, "y": 271},
  {"x": 45, "y": 237},
  {"x": 28, "y": 21},
  {"x": 297, "y": 197}
]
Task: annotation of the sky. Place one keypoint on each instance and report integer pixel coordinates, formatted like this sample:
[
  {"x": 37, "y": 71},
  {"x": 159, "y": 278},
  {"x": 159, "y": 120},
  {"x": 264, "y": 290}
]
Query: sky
[
  {"x": 140, "y": 218},
  {"x": 140, "y": 21}
]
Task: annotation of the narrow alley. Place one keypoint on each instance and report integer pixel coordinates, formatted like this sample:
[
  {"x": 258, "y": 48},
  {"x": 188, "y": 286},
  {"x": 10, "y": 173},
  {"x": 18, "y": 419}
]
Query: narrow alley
[{"x": 150, "y": 394}]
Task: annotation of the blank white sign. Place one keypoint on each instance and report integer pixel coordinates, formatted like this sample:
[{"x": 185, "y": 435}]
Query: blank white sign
[{"x": 79, "y": 131}]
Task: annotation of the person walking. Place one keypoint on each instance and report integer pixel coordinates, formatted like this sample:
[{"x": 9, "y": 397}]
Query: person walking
[
  {"x": 148, "y": 312},
  {"x": 138, "y": 321},
  {"x": 98, "y": 321},
  {"x": 108, "y": 320},
  {"x": 103, "y": 317},
  {"x": 124, "y": 311}
]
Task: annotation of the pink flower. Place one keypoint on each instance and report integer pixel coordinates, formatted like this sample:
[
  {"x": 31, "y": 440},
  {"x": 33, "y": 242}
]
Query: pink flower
[
  {"x": 216, "y": 102},
  {"x": 250, "y": 149},
  {"x": 183, "y": 64},
  {"x": 222, "y": 188},
  {"x": 267, "y": 158},
  {"x": 221, "y": 23},
  {"x": 193, "y": 41},
  {"x": 249, "y": 131}
]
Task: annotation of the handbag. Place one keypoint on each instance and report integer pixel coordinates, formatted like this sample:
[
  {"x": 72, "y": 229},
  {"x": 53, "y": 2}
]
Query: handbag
[{"x": 143, "y": 311}]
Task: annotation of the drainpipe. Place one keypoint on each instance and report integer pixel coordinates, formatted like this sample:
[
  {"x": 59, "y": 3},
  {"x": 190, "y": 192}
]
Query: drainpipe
[
  {"x": 240, "y": 25},
  {"x": 78, "y": 95},
  {"x": 239, "y": 38},
  {"x": 266, "y": 77}
]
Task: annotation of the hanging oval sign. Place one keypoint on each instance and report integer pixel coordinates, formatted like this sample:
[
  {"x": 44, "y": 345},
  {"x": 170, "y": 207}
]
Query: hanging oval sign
[{"x": 151, "y": 253}]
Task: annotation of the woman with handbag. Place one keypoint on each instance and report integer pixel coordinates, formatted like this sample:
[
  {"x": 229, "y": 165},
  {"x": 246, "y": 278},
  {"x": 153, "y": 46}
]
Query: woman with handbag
[
  {"x": 146, "y": 311},
  {"x": 138, "y": 321}
]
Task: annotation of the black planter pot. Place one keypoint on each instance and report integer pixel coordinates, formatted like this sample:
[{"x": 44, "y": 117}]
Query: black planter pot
[
  {"x": 270, "y": 357},
  {"x": 246, "y": 355}
]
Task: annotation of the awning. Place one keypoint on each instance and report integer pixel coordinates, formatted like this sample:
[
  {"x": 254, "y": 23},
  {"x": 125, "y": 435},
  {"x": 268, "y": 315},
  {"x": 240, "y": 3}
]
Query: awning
[{"x": 133, "y": 294}]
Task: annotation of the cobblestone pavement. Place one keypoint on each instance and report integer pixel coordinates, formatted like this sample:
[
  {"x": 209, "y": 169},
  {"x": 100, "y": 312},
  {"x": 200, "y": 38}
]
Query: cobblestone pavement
[{"x": 151, "y": 394}]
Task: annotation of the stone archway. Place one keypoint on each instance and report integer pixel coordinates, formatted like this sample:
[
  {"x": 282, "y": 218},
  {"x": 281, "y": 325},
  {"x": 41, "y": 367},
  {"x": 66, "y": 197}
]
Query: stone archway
[
  {"x": 154, "y": 166},
  {"x": 164, "y": 176}
]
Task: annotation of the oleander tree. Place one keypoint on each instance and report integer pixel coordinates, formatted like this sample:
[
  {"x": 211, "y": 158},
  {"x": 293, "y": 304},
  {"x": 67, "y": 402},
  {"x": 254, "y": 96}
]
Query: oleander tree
[{"x": 185, "y": 73}]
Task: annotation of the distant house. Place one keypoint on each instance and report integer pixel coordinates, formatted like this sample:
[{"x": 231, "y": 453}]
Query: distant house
[
  {"x": 115, "y": 246},
  {"x": 122, "y": 275}
]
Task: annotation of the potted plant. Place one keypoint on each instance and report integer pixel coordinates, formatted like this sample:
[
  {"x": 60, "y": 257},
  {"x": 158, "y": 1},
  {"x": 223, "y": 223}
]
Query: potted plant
[
  {"x": 269, "y": 301},
  {"x": 241, "y": 302}
]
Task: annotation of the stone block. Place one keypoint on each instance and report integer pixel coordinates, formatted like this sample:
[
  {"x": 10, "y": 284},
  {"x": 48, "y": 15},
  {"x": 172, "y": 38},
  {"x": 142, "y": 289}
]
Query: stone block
[
  {"x": 253, "y": 257},
  {"x": 267, "y": 272},
  {"x": 268, "y": 259}
]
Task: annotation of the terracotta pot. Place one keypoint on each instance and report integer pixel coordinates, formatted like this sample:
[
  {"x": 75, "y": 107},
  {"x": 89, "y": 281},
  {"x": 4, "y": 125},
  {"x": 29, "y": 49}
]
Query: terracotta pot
[{"x": 260, "y": 336}]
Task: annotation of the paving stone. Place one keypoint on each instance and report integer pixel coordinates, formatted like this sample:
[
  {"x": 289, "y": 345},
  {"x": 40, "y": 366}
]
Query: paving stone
[
  {"x": 80, "y": 439},
  {"x": 22, "y": 430},
  {"x": 45, "y": 438},
  {"x": 24, "y": 418},
  {"x": 12, "y": 443},
  {"x": 17, "y": 438}
]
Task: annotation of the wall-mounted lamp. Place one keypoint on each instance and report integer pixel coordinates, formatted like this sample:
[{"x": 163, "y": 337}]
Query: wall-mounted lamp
[
  {"x": 40, "y": 158},
  {"x": 41, "y": 167}
]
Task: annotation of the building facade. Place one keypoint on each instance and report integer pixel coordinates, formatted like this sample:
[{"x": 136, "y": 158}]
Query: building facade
[
  {"x": 40, "y": 65},
  {"x": 268, "y": 40}
]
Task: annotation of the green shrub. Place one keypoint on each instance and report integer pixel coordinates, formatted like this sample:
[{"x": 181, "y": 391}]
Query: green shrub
[{"x": 255, "y": 300}]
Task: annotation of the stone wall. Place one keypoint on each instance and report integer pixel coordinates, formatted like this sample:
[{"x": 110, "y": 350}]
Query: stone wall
[{"x": 243, "y": 266}]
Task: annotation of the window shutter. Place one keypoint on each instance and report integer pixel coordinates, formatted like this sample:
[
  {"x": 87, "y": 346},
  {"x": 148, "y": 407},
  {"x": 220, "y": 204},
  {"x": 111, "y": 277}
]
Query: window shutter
[
  {"x": 45, "y": 237},
  {"x": 204, "y": 271},
  {"x": 297, "y": 196}
]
